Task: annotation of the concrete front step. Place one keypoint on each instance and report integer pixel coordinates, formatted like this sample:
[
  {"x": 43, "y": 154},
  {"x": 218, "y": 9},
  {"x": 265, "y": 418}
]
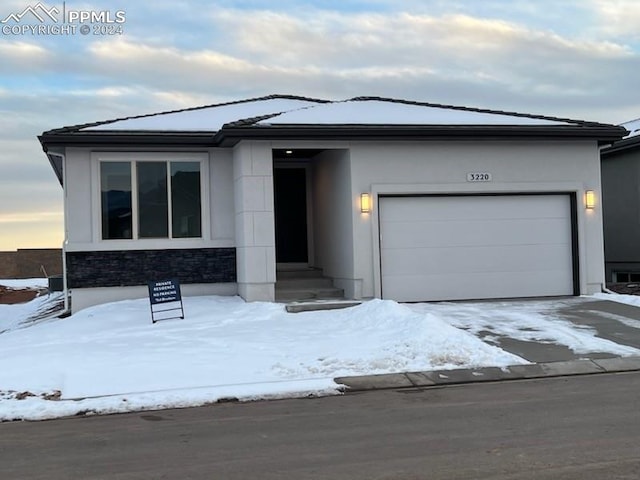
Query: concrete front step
[
  {"x": 298, "y": 283},
  {"x": 314, "y": 305},
  {"x": 304, "y": 283},
  {"x": 291, "y": 294},
  {"x": 285, "y": 274}
]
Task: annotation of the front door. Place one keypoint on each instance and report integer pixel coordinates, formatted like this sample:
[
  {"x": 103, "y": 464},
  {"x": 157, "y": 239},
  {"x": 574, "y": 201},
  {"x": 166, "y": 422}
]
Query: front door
[{"x": 290, "y": 205}]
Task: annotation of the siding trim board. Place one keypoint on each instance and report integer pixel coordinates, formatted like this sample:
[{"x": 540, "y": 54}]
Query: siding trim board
[{"x": 135, "y": 267}]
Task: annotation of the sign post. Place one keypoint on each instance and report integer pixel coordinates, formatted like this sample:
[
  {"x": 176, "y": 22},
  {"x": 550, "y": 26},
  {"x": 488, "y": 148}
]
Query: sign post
[{"x": 165, "y": 296}]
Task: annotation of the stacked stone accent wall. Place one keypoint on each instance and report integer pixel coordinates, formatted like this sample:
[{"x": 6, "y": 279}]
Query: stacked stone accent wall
[{"x": 136, "y": 267}]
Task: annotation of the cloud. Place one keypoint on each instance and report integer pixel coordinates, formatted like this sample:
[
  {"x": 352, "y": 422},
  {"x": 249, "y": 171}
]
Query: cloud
[
  {"x": 619, "y": 18},
  {"x": 41, "y": 231},
  {"x": 448, "y": 58},
  {"x": 29, "y": 217},
  {"x": 22, "y": 56},
  {"x": 441, "y": 57},
  {"x": 178, "y": 99},
  {"x": 387, "y": 39}
]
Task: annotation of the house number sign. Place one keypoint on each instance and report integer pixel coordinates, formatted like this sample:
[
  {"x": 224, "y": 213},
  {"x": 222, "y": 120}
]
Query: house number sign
[{"x": 478, "y": 177}]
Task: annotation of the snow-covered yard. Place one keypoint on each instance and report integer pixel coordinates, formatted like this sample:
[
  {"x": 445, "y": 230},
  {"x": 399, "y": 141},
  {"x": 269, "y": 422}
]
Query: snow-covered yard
[{"x": 111, "y": 358}]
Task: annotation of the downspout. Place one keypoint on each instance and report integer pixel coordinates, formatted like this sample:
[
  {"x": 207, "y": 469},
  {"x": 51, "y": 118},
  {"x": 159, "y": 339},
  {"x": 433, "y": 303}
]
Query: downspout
[{"x": 67, "y": 306}]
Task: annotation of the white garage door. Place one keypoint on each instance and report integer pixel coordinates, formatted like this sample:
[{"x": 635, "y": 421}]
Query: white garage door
[{"x": 475, "y": 247}]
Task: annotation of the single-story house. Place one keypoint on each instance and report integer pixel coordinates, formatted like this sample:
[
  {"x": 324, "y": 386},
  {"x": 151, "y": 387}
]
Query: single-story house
[
  {"x": 389, "y": 198},
  {"x": 621, "y": 206}
]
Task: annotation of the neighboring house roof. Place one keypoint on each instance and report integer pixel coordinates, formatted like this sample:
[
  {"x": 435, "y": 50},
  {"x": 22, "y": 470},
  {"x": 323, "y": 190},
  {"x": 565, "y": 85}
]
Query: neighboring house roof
[
  {"x": 633, "y": 126},
  {"x": 295, "y": 117},
  {"x": 629, "y": 141}
]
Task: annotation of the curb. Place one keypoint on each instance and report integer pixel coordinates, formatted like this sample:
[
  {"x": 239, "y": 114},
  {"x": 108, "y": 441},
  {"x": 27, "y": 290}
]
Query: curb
[{"x": 489, "y": 374}]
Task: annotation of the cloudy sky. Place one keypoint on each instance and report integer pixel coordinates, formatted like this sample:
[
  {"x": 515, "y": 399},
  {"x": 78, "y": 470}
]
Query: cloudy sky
[{"x": 571, "y": 58}]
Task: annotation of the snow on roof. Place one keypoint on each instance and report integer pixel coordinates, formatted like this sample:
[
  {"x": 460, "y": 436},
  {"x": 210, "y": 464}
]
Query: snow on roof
[
  {"x": 392, "y": 112},
  {"x": 205, "y": 119},
  {"x": 292, "y": 110},
  {"x": 633, "y": 126}
]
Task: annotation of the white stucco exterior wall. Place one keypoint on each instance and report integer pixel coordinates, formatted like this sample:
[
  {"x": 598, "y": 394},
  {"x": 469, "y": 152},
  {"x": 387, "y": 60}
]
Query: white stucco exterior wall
[
  {"x": 82, "y": 187},
  {"x": 78, "y": 196},
  {"x": 254, "y": 220},
  {"x": 333, "y": 220},
  {"x": 442, "y": 167}
]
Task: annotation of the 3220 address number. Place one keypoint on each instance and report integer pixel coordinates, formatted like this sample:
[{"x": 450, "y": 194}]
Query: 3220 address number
[{"x": 478, "y": 177}]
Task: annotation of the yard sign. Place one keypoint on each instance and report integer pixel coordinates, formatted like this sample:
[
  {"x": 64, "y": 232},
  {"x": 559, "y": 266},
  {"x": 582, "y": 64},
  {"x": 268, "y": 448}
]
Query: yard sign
[{"x": 165, "y": 296}]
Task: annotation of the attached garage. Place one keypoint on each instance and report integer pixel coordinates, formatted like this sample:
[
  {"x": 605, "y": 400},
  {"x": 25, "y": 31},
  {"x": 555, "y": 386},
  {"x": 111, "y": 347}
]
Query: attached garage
[{"x": 457, "y": 247}]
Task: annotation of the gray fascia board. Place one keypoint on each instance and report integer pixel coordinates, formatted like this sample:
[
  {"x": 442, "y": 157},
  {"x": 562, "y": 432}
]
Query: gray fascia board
[
  {"x": 204, "y": 139},
  {"x": 230, "y": 135}
]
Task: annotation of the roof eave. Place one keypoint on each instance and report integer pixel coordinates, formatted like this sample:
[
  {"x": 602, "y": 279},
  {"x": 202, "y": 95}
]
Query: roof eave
[
  {"x": 230, "y": 135},
  {"x": 124, "y": 138}
]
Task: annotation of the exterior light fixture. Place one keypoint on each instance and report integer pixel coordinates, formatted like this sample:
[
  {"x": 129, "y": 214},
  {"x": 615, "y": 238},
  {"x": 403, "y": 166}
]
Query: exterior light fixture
[
  {"x": 365, "y": 203},
  {"x": 589, "y": 199},
  {"x": 289, "y": 152}
]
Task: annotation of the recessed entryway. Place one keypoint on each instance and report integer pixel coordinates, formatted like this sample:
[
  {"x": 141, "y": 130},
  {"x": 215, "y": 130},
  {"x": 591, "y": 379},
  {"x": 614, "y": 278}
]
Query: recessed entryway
[{"x": 298, "y": 277}]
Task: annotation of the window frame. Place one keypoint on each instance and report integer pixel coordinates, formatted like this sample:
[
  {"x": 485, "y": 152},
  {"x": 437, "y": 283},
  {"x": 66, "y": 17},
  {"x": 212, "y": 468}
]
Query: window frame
[
  {"x": 136, "y": 157},
  {"x": 629, "y": 274}
]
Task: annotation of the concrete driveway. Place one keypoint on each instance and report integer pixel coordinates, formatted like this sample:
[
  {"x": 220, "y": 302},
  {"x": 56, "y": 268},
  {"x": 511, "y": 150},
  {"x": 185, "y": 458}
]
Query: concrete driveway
[
  {"x": 560, "y": 336},
  {"x": 548, "y": 330}
]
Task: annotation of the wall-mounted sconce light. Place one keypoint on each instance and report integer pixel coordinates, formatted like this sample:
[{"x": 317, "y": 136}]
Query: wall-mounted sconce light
[
  {"x": 365, "y": 203},
  {"x": 589, "y": 199}
]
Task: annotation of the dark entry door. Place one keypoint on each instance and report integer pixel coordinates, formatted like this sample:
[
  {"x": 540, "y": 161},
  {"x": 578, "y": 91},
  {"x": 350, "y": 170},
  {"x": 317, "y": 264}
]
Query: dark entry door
[{"x": 290, "y": 196}]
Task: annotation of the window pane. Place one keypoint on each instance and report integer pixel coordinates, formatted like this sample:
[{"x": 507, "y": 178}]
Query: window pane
[
  {"x": 622, "y": 277},
  {"x": 153, "y": 204},
  {"x": 115, "y": 187},
  {"x": 185, "y": 199}
]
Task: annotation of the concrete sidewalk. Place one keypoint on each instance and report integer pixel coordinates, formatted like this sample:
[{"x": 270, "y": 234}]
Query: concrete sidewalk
[{"x": 613, "y": 321}]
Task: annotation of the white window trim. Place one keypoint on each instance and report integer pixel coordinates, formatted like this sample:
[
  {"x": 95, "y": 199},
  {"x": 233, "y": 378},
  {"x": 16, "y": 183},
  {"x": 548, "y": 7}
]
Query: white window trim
[{"x": 149, "y": 243}]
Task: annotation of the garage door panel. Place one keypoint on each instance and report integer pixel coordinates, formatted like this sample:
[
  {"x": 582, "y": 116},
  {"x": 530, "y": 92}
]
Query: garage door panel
[
  {"x": 475, "y": 232},
  {"x": 474, "y": 286},
  {"x": 457, "y": 247},
  {"x": 407, "y": 209},
  {"x": 477, "y": 260}
]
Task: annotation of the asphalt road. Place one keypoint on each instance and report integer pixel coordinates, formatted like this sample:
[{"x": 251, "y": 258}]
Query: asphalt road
[{"x": 563, "y": 428}]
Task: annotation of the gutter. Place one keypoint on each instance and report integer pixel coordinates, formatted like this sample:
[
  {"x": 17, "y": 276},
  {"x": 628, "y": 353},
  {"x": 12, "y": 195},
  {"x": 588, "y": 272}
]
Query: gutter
[
  {"x": 113, "y": 138},
  {"x": 229, "y": 135}
]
